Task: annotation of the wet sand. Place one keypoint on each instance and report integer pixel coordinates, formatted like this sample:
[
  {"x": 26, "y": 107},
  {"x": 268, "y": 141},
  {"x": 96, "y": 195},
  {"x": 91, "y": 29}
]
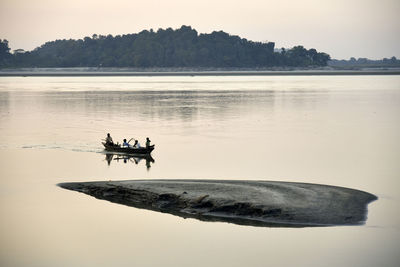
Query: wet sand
[{"x": 256, "y": 203}]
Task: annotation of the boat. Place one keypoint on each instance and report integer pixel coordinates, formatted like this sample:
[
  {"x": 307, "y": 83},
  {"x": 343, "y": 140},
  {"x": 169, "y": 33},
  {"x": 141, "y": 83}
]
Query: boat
[{"x": 128, "y": 150}]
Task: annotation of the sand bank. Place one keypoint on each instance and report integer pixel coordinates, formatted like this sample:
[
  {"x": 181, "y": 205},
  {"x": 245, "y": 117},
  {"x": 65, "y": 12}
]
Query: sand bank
[{"x": 257, "y": 203}]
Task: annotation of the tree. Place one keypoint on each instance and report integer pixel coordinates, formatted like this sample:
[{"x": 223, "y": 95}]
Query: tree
[
  {"x": 182, "y": 47},
  {"x": 5, "y": 55}
]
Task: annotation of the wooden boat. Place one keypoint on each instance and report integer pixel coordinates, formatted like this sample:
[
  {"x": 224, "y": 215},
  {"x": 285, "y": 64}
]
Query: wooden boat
[{"x": 128, "y": 150}]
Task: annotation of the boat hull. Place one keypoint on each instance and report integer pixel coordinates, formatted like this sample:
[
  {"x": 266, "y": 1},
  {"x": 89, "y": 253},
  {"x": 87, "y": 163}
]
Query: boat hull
[{"x": 129, "y": 150}]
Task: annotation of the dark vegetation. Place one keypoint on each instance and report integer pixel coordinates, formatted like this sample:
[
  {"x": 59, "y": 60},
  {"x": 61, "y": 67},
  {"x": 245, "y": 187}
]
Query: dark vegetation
[
  {"x": 5, "y": 56},
  {"x": 353, "y": 63},
  {"x": 183, "y": 47}
]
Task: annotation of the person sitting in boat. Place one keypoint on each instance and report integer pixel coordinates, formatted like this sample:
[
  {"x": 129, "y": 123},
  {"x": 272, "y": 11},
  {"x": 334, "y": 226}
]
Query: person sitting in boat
[
  {"x": 109, "y": 140},
  {"x": 147, "y": 142},
  {"x": 125, "y": 143},
  {"x": 136, "y": 144}
]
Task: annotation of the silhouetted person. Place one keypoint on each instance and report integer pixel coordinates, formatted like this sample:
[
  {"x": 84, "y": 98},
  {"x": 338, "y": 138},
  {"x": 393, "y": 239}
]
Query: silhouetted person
[
  {"x": 109, "y": 140},
  {"x": 147, "y": 142}
]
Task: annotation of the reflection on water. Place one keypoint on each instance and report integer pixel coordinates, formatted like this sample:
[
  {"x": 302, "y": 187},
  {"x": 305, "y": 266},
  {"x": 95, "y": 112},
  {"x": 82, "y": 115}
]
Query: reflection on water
[
  {"x": 124, "y": 158},
  {"x": 184, "y": 105},
  {"x": 170, "y": 105},
  {"x": 4, "y": 105}
]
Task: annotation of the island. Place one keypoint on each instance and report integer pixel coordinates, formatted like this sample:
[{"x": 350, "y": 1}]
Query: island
[
  {"x": 164, "y": 48},
  {"x": 244, "y": 202}
]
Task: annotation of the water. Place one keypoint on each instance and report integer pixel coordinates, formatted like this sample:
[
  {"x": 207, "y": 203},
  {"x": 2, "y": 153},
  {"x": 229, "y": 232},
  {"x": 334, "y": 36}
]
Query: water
[{"x": 337, "y": 130}]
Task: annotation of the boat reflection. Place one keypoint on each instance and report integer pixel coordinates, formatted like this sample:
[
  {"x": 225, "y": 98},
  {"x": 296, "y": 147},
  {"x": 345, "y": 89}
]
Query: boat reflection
[{"x": 125, "y": 158}]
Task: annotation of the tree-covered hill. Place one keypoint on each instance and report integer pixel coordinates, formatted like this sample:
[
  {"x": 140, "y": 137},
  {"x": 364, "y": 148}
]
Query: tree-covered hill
[{"x": 183, "y": 47}]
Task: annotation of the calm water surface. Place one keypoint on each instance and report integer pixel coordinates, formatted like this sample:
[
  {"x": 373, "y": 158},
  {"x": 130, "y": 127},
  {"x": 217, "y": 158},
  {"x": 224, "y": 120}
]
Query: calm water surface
[{"x": 337, "y": 130}]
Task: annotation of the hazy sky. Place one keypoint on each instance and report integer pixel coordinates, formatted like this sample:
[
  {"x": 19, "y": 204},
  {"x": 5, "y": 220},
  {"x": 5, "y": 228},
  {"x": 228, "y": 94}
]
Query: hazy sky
[{"x": 341, "y": 28}]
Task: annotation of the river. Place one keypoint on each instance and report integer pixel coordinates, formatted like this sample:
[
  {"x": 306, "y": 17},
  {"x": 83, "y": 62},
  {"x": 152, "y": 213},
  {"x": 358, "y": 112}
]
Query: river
[{"x": 335, "y": 130}]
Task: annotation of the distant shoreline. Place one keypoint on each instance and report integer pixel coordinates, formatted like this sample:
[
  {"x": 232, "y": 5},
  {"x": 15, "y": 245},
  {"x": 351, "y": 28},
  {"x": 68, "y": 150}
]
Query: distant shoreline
[{"x": 94, "y": 73}]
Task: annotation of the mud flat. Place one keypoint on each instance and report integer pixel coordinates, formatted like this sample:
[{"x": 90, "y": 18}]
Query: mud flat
[{"x": 256, "y": 203}]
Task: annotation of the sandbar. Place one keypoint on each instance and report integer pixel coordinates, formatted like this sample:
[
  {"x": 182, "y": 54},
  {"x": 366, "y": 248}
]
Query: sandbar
[{"x": 244, "y": 202}]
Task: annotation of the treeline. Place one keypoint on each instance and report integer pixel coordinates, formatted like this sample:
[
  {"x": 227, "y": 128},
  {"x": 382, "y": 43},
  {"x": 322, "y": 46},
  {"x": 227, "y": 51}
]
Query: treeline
[
  {"x": 365, "y": 63},
  {"x": 183, "y": 47}
]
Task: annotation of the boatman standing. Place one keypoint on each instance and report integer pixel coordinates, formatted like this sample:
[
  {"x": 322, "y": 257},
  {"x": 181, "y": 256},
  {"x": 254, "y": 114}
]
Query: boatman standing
[
  {"x": 109, "y": 140},
  {"x": 147, "y": 142}
]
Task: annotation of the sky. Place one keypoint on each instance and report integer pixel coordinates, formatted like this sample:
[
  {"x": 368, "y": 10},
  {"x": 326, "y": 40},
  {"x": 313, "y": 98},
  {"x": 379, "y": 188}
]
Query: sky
[{"x": 341, "y": 28}]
